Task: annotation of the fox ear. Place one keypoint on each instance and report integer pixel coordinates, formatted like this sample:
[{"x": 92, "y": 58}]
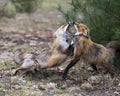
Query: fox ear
[
  {"x": 57, "y": 31},
  {"x": 65, "y": 28}
]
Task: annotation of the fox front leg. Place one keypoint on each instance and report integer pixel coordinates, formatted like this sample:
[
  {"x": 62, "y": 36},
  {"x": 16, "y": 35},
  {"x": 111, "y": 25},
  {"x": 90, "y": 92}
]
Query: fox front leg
[{"x": 71, "y": 64}]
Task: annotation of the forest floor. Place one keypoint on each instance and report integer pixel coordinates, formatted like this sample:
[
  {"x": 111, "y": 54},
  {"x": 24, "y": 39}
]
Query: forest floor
[{"x": 33, "y": 33}]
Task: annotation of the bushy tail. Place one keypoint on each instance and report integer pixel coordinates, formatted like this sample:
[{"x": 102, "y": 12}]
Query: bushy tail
[{"x": 114, "y": 45}]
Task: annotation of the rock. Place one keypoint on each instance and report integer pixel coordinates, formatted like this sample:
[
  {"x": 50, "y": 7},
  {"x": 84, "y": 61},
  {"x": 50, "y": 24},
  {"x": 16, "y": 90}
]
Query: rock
[
  {"x": 60, "y": 69},
  {"x": 33, "y": 43},
  {"x": 82, "y": 65},
  {"x": 35, "y": 87},
  {"x": 51, "y": 85},
  {"x": 117, "y": 93},
  {"x": 16, "y": 87},
  {"x": 95, "y": 80},
  {"x": 64, "y": 86},
  {"x": 86, "y": 86},
  {"x": 107, "y": 93},
  {"x": 51, "y": 92},
  {"x": 90, "y": 69},
  {"x": 24, "y": 81}
]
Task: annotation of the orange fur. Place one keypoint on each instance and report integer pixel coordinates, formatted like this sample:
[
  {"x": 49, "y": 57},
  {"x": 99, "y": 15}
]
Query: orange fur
[{"x": 91, "y": 52}]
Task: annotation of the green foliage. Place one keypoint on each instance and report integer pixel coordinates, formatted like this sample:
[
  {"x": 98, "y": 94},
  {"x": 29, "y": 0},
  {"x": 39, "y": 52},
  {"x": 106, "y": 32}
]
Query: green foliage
[
  {"x": 2, "y": 93},
  {"x": 27, "y": 5},
  {"x": 11, "y": 7},
  {"x": 59, "y": 85},
  {"x": 117, "y": 60},
  {"x": 9, "y": 10},
  {"x": 7, "y": 63},
  {"x": 29, "y": 77},
  {"x": 116, "y": 35},
  {"x": 101, "y": 16}
]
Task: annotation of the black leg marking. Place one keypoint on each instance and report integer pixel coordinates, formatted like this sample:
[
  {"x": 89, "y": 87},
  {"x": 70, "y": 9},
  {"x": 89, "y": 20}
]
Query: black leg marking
[
  {"x": 72, "y": 63},
  {"x": 15, "y": 73}
]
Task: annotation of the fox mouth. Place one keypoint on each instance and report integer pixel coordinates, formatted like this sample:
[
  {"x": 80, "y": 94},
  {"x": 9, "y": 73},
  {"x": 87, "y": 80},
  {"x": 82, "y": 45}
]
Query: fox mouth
[{"x": 70, "y": 31}]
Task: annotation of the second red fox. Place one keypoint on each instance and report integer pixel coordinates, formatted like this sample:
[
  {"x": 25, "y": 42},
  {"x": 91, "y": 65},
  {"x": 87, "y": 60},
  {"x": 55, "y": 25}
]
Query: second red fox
[{"x": 91, "y": 52}]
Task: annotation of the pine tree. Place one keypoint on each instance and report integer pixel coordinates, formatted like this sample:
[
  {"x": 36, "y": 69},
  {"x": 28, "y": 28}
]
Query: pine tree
[{"x": 101, "y": 16}]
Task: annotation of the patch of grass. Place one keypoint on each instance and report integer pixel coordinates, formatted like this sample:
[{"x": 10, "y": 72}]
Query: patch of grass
[
  {"x": 9, "y": 10},
  {"x": 1, "y": 85},
  {"x": 59, "y": 85},
  {"x": 63, "y": 94},
  {"x": 51, "y": 4},
  {"x": 2, "y": 93},
  {"x": 7, "y": 63},
  {"x": 29, "y": 77},
  {"x": 27, "y": 5}
]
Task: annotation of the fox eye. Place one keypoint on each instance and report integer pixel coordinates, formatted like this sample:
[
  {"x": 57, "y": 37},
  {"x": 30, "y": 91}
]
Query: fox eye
[{"x": 83, "y": 30}]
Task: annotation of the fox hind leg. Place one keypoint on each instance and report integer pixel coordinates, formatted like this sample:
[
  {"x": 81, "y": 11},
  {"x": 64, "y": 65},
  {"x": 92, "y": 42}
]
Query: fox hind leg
[
  {"x": 55, "y": 60},
  {"x": 17, "y": 70}
]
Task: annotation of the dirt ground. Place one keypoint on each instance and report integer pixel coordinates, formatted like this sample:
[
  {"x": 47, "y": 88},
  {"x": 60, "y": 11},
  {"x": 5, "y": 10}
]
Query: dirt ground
[{"x": 33, "y": 33}]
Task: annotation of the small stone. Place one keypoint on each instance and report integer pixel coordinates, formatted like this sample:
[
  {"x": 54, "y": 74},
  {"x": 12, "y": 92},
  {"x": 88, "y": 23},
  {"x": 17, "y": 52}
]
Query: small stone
[
  {"x": 16, "y": 87},
  {"x": 33, "y": 43},
  {"x": 119, "y": 85},
  {"x": 107, "y": 93},
  {"x": 86, "y": 86},
  {"x": 13, "y": 78},
  {"x": 24, "y": 81},
  {"x": 35, "y": 86},
  {"x": 51, "y": 85},
  {"x": 90, "y": 69},
  {"x": 77, "y": 94},
  {"x": 64, "y": 86},
  {"x": 60, "y": 69},
  {"x": 116, "y": 93},
  {"x": 51, "y": 92},
  {"x": 95, "y": 79},
  {"x": 82, "y": 65}
]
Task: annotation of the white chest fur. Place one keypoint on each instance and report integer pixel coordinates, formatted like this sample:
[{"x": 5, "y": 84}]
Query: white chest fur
[{"x": 63, "y": 43}]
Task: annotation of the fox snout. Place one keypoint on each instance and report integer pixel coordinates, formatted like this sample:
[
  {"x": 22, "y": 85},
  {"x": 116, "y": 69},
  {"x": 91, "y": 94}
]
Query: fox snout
[
  {"x": 78, "y": 33},
  {"x": 71, "y": 23}
]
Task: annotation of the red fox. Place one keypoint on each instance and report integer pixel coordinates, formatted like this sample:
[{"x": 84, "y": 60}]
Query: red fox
[
  {"x": 91, "y": 52},
  {"x": 60, "y": 50}
]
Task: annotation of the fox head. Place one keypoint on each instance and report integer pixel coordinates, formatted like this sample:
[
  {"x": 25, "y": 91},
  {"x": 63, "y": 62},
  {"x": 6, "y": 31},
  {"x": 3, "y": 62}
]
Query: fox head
[
  {"x": 81, "y": 29},
  {"x": 62, "y": 31}
]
